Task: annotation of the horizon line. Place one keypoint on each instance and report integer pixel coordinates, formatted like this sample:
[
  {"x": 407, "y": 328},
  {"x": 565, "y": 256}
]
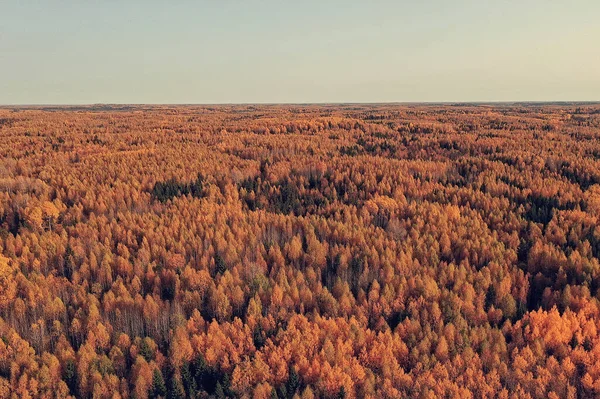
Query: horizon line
[{"x": 484, "y": 102}]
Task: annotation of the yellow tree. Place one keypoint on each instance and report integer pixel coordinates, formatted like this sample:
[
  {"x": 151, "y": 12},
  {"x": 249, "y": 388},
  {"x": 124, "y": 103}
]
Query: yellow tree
[{"x": 8, "y": 288}]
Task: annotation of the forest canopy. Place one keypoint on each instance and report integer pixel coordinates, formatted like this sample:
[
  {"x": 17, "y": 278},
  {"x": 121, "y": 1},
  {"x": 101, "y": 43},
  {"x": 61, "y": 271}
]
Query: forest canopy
[{"x": 335, "y": 251}]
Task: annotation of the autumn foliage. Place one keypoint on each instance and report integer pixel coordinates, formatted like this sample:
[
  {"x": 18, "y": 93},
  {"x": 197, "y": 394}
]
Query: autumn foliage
[{"x": 332, "y": 251}]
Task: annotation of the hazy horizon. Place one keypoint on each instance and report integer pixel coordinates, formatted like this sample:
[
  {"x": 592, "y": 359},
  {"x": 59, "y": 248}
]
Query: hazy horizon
[
  {"x": 267, "y": 52},
  {"x": 525, "y": 102}
]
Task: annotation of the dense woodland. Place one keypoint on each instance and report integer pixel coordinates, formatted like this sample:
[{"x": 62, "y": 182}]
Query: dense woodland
[{"x": 343, "y": 251}]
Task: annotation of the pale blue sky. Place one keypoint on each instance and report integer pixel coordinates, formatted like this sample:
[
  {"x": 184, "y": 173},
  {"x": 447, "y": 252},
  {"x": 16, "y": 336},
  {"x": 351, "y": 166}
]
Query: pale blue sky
[{"x": 225, "y": 51}]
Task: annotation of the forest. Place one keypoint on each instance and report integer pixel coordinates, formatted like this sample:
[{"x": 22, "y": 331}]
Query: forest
[{"x": 300, "y": 251}]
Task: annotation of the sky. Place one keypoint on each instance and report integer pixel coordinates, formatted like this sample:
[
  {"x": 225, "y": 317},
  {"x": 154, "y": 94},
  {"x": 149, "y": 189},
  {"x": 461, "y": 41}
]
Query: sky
[{"x": 303, "y": 51}]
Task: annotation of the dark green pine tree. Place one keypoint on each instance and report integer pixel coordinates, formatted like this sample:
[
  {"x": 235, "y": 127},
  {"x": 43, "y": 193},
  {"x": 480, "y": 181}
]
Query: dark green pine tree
[
  {"x": 176, "y": 390},
  {"x": 188, "y": 380},
  {"x": 158, "y": 389},
  {"x": 293, "y": 382},
  {"x": 219, "y": 391},
  {"x": 70, "y": 376}
]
